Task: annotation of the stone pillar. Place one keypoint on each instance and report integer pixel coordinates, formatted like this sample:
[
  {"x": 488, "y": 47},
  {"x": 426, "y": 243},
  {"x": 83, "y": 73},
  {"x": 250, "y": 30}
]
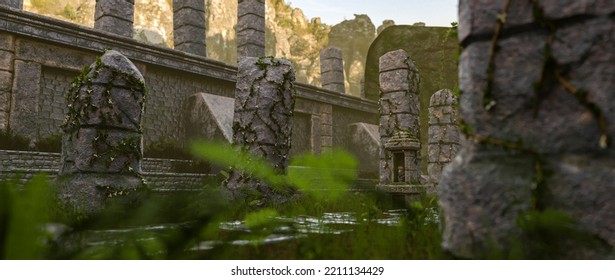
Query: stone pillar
[
  {"x": 115, "y": 16},
  {"x": 17, "y": 4},
  {"x": 250, "y": 28},
  {"x": 7, "y": 56},
  {"x": 538, "y": 108},
  {"x": 102, "y": 145},
  {"x": 362, "y": 88},
  {"x": 399, "y": 119},
  {"x": 25, "y": 99},
  {"x": 189, "y": 26},
  {"x": 332, "y": 69},
  {"x": 443, "y": 132},
  {"x": 262, "y": 123}
]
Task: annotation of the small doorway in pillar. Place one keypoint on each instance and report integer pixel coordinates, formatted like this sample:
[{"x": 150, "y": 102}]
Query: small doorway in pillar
[{"x": 399, "y": 174}]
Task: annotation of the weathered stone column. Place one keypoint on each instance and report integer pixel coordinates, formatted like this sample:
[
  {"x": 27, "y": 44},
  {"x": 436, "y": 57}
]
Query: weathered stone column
[
  {"x": 115, "y": 16},
  {"x": 443, "y": 132},
  {"x": 17, "y": 4},
  {"x": 332, "y": 69},
  {"x": 189, "y": 26},
  {"x": 7, "y": 56},
  {"x": 250, "y": 28},
  {"x": 399, "y": 119},
  {"x": 262, "y": 124},
  {"x": 537, "y": 104},
  {"x": 25, "y": 98},
  {"x": 102, "y": 143}
]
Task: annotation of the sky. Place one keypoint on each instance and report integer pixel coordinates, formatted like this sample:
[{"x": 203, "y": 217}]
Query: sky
[{"x": 431, "y": 12}]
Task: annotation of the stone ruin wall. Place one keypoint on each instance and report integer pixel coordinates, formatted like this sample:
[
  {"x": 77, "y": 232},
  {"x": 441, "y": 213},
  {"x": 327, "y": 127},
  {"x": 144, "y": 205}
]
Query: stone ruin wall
[{"x": 40, "y": 56}]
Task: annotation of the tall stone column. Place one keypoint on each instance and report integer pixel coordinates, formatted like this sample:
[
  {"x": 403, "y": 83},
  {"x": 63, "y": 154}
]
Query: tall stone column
[
  {"x": 399, "y": 119},
  {"x": 332, "y": 69},
  {"x": 250, "y": 28},
  {"x": 7, "y": 69},
  {"x": 115, "y": 16},
  {"x": 102, "y": 144},
  {"x": 17, "y": 4},
  {"x": 537, "y": 104},
  {"x": 189, "y": 26},
  {"x": 444, "y": 141},
  {"x": 262, "y": 123}
]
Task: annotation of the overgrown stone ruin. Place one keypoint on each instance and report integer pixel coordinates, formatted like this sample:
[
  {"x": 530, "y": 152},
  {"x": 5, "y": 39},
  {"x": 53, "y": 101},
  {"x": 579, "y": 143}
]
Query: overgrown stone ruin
[
  {"x": 399, "y": 124},
  {"x": 262, "y": 123},
  {"x": 537, "y": 107},
  {"x": 102, "y": 144}
]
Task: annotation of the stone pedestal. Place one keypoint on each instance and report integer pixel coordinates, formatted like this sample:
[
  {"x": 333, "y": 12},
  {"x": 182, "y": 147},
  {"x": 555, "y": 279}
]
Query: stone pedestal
[
  {"x": 332, "y": 69},
  {"x": 250, "y": 28},
  {"x": 189, "y": 26},
  {"x": 102, "y": 144},
  {"x": 115, "y": 16}
]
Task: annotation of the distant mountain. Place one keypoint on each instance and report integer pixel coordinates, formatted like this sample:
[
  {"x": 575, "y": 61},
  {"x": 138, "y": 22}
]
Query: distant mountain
[{"x": 290, "y": 34}]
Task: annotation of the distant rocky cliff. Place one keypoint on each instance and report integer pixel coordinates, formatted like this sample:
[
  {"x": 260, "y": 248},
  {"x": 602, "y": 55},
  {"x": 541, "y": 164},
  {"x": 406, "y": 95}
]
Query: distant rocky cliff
[{"x": 290, "y": 34}]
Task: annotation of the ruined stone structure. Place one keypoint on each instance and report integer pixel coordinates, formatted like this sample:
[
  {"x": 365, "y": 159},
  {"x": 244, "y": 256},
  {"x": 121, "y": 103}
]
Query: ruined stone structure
[
  {"x": 102, "y": 144},
  {"x": 115, "y": 16},
  {"x": 250, "y": 28},
  {"x": 189, "y": 26},
  {"x": 262, "y": 124},
  {"x": 537, "y": 104},
  {"x": 399, "y": 124},
  {"x": 41, "y": 56},
  {"x": 332, "y": 69},
  {"x": 443, "y": 132}
]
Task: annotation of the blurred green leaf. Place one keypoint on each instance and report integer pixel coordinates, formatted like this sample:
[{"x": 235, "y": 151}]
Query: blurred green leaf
[
  {"x": 27, "y": 217},
  {"x": 260, "y": 218},
  {"x": 324, "y": 176}
]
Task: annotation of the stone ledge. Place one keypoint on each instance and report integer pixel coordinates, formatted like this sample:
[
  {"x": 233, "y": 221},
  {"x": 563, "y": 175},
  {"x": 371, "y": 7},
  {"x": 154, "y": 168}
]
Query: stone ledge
[{"x": 403, "y": 188}]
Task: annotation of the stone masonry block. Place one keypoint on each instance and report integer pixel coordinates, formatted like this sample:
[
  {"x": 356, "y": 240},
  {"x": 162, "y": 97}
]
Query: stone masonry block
[
  {"x": 193, "y": 48},
  {"x": 331, "y": 64},
  {"x": 256, "y": 7},
  {"x": 395, "y": 80},
  {"x": 6, "y": 81},
  {"x": 394, "y": 60},
  {"x": 399, "y": 102},
  {"x": 7, "y": 41},
  {"x": 250, "y": 36},
  {"x": 251, "y": 21},
  {"x": 188, "y": 33},
  {"x": 115, "y": 16},
  {"x": 189, "y": 16},
  {"x": 198, "y": 5},
  {"x": 331, "y": 53},
  {"x": 6, "y": 60}
]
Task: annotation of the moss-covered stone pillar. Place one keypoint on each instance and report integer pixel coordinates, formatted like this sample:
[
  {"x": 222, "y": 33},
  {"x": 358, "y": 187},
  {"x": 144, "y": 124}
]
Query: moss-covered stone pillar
[
  {"x": 189, "y": 26},
  {"x": 250, "y": 28},
  {"x": 262, "y": 123},
  {"x": 115, "y": 16},
  {"x": 399, "y": 119},
  {"x": 537, "y": 176},
  {"x": 102, "y": 143}
]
